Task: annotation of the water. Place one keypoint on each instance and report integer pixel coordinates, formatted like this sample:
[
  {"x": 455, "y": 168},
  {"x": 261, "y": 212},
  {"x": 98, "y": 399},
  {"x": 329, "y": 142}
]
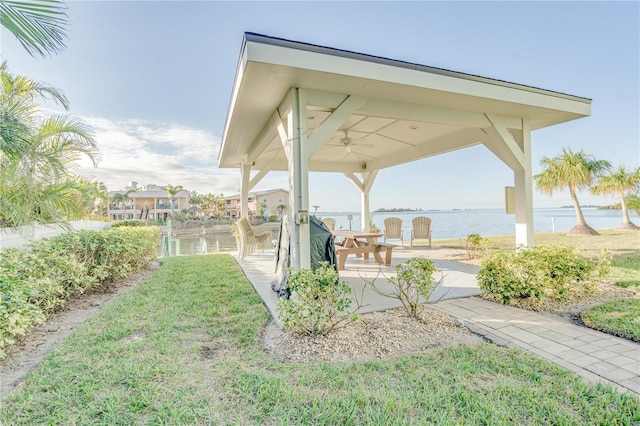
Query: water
[
  {"x": 486, "y": 222},
  {"x": 445, "y": 224}
]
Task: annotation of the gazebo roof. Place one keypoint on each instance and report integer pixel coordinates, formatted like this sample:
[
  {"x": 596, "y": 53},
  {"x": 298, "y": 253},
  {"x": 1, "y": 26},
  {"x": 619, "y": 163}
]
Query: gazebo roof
[{"x": 397, "y": 111}]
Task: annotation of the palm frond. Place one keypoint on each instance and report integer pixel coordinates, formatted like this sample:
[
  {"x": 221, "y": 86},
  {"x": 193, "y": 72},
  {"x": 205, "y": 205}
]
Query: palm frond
[{"x": 40, "y": 26}]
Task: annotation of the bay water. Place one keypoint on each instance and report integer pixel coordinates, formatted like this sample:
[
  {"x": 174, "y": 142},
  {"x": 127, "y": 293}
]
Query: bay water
[{"x": 445, "y": 224}]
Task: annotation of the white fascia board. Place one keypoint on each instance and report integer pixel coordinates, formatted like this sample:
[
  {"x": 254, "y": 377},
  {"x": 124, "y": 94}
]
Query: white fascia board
[
  {"x": 335, "y": 65},
  {"x": 237, "y": 83}
]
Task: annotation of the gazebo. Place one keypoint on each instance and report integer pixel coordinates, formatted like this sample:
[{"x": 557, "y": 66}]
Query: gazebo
[{"x": 300, "y": 107}]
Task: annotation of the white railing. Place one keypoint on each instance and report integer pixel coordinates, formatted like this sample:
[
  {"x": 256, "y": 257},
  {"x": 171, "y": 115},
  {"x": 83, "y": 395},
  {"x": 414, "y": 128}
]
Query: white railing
[{"x": 21, "y": 236}]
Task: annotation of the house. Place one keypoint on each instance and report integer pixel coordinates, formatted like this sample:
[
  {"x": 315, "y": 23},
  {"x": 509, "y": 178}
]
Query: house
[
  {"x": 267, "y": 202},
  {"x": 148, "y": 202}
]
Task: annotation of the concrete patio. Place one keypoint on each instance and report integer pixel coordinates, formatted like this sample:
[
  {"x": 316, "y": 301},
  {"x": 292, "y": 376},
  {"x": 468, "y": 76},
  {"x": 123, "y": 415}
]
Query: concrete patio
[{"x": 457, "y": 279}]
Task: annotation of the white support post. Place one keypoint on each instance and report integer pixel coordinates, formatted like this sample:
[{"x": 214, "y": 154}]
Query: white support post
[
  {"x": 364, "y": 185},
  {"x": 299, "y": 179},
  {"x": 524, "y": 192},
  {"x": 245, "y": 175},
  {"x": 367, "y": 182}
]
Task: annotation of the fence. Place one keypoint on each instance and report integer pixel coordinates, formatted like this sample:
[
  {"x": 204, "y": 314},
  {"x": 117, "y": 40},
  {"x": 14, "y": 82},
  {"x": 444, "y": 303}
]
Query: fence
[{"x": 21, "y": 236}]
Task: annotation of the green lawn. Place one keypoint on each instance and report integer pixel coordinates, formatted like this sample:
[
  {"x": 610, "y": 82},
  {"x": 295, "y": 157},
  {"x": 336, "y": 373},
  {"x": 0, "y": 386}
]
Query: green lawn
[
  {"x": 183, "y": 348},
  {"x": 620, "y": 317}
]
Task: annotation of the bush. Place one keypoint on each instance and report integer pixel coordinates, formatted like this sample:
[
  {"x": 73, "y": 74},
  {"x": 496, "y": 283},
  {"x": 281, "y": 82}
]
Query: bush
[
  {"x": 475, "y": 245},
  {"x": 273, "y": 217},
  {"x": 319, "y": 301},
  {"x": 129, "y": 222},
  {"x": 413, "y": 281},
  {"x": 17, "y": 311},
  {"x": 34, "y": 283},
  {"x": 538, "y": 273}
]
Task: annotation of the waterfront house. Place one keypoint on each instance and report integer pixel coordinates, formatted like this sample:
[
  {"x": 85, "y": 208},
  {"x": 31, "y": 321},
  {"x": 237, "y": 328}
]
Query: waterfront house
[{"x": 146, "y": 202}]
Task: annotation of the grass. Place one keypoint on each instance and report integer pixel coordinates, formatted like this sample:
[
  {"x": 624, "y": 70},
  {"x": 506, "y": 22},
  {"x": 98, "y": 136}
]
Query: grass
[
  {"x": 183, "y": 348},
  {"x": 620, "y": 317}
]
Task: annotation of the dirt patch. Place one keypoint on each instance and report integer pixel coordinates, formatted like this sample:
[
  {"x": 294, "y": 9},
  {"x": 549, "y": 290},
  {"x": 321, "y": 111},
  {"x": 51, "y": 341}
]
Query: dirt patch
[
  {"x": 376, "y": 335},
  {"x": 27, "y": 353}
]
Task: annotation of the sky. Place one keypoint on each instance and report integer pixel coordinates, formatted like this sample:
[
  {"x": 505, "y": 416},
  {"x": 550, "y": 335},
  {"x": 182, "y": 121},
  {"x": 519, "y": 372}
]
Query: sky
[{"x": 153, "y": 79}]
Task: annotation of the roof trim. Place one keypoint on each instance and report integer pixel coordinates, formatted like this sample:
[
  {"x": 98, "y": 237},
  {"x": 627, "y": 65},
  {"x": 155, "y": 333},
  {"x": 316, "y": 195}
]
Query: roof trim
[{"x": 314, "y": 48}]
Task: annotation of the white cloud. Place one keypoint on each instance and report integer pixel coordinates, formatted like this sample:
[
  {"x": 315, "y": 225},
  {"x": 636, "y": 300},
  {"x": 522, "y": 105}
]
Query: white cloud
[{"x": 144, "y": 152}]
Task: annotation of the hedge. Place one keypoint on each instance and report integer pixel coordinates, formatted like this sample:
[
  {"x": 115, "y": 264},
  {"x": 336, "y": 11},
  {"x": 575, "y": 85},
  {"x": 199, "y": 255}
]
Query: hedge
[
  {"x": 539, "y": 273},
  {"x": 35, "y": 283}
]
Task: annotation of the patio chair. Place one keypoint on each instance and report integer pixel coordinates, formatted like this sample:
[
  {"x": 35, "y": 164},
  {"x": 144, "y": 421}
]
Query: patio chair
[
  {"x": 421, "y": 229},
  {"x": 252, "y": 238},
  {"x": 330, "y": 222},
  {"x": 393, "y": 229}
]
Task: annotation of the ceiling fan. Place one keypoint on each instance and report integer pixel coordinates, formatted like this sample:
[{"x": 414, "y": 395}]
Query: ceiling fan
[{"x": 348, "y": 142}]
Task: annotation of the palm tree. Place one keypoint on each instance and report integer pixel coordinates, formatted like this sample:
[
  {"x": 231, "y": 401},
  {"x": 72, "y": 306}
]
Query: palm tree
[
  {"x": 633, "y": 202},
  {"x": 100, "y": 194},
  {"x": 19, "y": 111},
  {"x": 123, "y": 198},
  {"x": 574, "y": 171},
  {"x": 40, "y": 26},
  {"x": 38, "y": 156},
  {"x": 172, "y": 191},
  {"x": 619, "y": 182}
]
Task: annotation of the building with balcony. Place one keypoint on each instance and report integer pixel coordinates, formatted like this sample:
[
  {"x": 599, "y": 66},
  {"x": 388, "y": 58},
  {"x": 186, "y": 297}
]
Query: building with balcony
[
  {"x": 273, "y": 201},
  {"x": 147, "y": 202}
]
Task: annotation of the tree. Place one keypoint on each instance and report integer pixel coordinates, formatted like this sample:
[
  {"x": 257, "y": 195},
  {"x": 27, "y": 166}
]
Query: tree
[
  {"x": 123, "y": 198},
  {"x": 100, "y": 195},
  {"x": 40, "y": 26},
  {"x": 633, "y": 202},
  {"x": 38, "y": 156},
  {"x": 619, "y": 182},
  {"x": 281, "y": 208},
  {"x": 172, "y": 191},
  {"x": 573, "y": 171}
]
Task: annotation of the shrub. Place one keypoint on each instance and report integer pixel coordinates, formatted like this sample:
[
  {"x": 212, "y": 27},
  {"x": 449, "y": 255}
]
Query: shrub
[
  {"x": 413, "y": 281},
  {"x": 319, "y": 301},
  {"x": 273, "y": 217},
  {"x": 475, "y": 245},
  {"x": 129, "y": 222},
  {"x": 114, "y": 254},
  {"x": 540, "y": 272},
  {"x": 17, "y": 311},
  {"x": 34, "y": 283}
]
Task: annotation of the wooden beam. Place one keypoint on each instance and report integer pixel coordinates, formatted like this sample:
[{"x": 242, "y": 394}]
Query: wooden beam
[
  {"x": 333, "y": 123},
  {"x": 265, "y": 137},
  {"x": 257, "y": 178},
  {"x": 502, "y": 143},
  {"x": 430, "y": 114},
  {"x": 447, "y": 143}
]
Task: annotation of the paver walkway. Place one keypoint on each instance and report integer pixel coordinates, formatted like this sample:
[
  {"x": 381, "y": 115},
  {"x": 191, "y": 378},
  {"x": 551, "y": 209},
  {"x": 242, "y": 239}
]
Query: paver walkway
[{"x": 591, "y": 354}]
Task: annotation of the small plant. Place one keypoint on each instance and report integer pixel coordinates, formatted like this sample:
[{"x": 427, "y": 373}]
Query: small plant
[
  {"x": 540, "y": 272},
  {"x": 319, "y": 301},
  {"x": 413, "y": 282},
  {"x": 372, "y": 225},
  {"x": 475, "y": 245}
]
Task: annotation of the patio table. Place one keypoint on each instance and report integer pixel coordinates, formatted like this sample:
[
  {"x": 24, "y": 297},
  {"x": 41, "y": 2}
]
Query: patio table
[{"x": 361, "y": 244}]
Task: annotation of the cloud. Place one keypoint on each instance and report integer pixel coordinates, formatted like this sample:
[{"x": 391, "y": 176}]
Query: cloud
[{"x": 152, "y": 153}]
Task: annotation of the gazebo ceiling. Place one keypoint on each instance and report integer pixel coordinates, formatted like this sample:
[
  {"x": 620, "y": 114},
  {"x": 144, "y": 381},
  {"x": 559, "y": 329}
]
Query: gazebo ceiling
[{"x": 403, "y": 112}]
